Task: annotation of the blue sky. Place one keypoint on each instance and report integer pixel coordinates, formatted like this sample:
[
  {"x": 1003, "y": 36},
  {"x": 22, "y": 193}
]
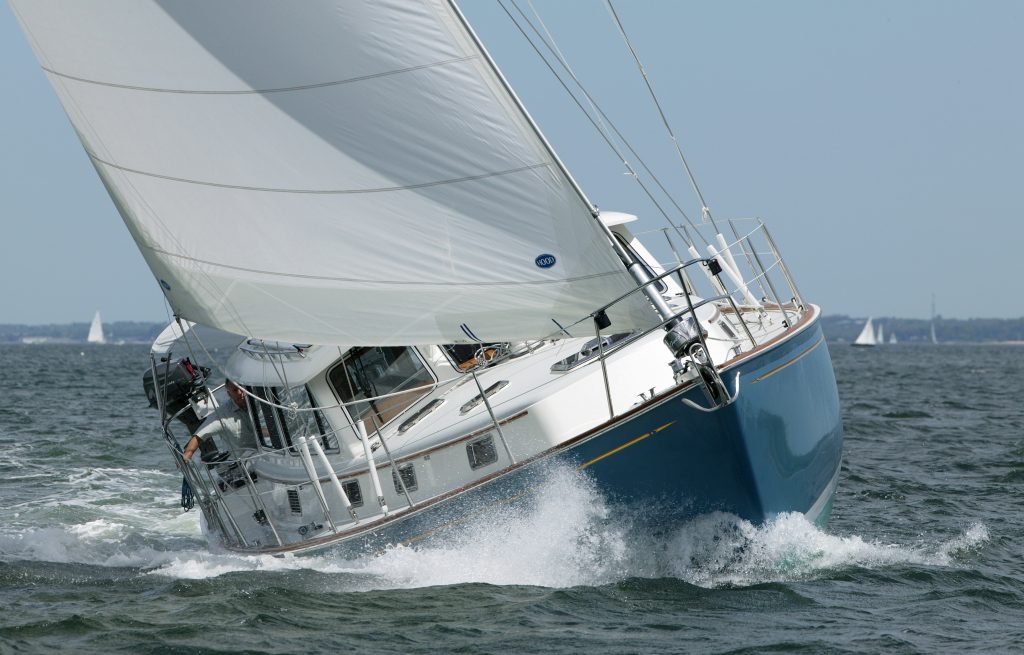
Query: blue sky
[{"x": 882, "y": 142}]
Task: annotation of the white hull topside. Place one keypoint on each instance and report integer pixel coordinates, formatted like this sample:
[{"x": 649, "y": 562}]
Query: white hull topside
[
  {"x": 292, "y": 496},
  {"x": 537, "y": 412}
]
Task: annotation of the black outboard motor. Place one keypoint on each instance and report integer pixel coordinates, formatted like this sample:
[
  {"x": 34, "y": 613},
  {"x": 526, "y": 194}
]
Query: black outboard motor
[{"x": 177, "y": 382}]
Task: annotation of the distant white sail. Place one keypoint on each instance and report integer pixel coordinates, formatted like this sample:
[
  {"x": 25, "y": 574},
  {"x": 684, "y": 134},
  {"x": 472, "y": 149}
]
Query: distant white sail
[
  {"x": 866, "y": 336},
  {"x": 934, "y": 339},
  {"x": 892, "y": 338},
  {"x": 331, "y": 171},
  {"x": 880, "y": 336},
  {"x": 96, "y": 330}
]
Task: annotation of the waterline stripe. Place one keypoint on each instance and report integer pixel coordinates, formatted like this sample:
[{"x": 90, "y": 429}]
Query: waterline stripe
[{"x": 625, "y": 445}]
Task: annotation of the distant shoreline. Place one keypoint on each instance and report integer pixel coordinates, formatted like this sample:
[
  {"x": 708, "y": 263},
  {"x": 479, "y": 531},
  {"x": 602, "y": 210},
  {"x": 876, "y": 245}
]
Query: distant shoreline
[{"x": 837, "y": 328}]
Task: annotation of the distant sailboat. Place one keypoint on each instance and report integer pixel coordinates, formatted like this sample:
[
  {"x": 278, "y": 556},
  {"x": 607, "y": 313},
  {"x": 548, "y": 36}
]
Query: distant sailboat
[
  {"x": 867, "y": 335},
  {"x": 934, "y": 339},
  {"x": 892, "y": 338},
  {"x": 96, "y": 330},
  {"x": 880, "y": 336}
]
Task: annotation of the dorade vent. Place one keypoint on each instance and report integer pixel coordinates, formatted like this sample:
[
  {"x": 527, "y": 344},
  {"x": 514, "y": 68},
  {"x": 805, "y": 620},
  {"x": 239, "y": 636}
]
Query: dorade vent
[
  {"x": 293, "y": 501},
  {"x": 420, "y": 414},
  {"x": 481, "y": 452},
  {"x": 354, "y": 493},
  {"x": 488, "y": 392},
  {"x": 408, "y": 474}
]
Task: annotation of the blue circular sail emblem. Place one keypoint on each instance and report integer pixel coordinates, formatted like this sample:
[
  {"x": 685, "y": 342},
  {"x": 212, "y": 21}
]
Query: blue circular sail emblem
[
  {"x": 164, "y": 284},
  {"x": 545, "y": 260}
]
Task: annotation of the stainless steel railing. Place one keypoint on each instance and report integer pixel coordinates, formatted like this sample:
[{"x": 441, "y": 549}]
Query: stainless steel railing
[{"x": 755, "y": 264}]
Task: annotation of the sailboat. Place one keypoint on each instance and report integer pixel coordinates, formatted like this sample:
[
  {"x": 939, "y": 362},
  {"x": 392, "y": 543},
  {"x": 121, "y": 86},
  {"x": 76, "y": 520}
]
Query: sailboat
[
  {"x": 880, "y": 335},
  {"x": 431, "y": 311},
  {"x": 892, "y": 338},
  {"x": 867, "y": 335},
  {"x": 96, "y": 330}
]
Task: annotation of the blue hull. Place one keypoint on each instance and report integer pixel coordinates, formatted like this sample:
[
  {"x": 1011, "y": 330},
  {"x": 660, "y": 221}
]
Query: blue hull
[{"x": 776, "y": 449}]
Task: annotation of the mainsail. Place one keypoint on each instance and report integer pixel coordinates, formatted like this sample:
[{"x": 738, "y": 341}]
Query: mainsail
[
  {"x": 350, "y": 172},
  {"x": 96, "y": 330},
  {"x": 866, "y": 336}
]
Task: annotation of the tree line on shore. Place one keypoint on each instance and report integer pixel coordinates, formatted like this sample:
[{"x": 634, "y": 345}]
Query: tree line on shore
[
  {"x": 910, "y": 330},
  {"x": 836, "y": 328}
]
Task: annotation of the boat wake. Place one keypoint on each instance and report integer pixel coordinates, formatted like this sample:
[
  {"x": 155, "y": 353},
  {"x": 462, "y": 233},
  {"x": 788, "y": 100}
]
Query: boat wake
[
  {"x": 722, "y": 550},
  {"x": 567, "y": 536}
]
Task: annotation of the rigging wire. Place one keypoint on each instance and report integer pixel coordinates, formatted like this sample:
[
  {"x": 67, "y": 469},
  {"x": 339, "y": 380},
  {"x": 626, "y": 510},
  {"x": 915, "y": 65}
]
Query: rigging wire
[
  {"x": 705, "y": 210},
  {"x": 603, "y": 118},
  {"x": 595, "y": 121}
]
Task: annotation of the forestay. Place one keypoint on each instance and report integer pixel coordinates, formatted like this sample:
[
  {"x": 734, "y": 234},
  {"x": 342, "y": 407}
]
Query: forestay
[{"x": 326, "y": 171}]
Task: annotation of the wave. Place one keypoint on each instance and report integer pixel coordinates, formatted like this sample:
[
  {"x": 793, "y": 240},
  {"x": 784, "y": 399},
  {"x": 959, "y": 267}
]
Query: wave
[{"x": 568, "y": 536}]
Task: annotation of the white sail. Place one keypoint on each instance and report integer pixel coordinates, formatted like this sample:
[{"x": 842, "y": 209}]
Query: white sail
[
  {"x": 932, "y": 336},
  {"x": 880, "y": 335},
  {"x": 892, "y": 338},
  {"x": 334, "y": 171},
  {"x": 96, "y": 330},
  {"x": 866, "y": 336}
]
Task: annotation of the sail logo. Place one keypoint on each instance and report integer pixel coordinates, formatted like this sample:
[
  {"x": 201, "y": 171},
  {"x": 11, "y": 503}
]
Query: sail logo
[{"x": 545, "y": 261}]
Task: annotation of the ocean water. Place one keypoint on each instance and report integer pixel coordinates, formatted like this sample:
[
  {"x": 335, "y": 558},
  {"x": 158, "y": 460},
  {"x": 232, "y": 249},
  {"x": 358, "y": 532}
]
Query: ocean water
[{"x": 924, "y": 552}]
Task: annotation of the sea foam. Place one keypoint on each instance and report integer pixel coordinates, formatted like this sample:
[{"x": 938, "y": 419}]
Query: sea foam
[{"x": 566, "y": 536}]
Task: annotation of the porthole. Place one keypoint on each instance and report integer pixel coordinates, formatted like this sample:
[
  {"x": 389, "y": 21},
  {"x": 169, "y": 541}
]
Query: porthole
[
  {"x": 408, "y": 474},
  {"x": 481, "y": 452}
]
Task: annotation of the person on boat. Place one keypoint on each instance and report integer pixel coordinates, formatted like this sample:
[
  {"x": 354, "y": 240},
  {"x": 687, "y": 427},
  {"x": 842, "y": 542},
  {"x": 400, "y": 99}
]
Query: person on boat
[{"x": 230, "y": 423}]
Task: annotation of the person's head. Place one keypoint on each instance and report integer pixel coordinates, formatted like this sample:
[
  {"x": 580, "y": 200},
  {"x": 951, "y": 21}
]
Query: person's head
[{"x": 236, "y": 392}]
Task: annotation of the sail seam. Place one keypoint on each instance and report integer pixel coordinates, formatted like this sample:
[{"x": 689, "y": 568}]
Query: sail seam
[
  {"x": 283, "y": 89},
  {"x": 421, "y": 185},
  {"x": 388, "y": 282}
]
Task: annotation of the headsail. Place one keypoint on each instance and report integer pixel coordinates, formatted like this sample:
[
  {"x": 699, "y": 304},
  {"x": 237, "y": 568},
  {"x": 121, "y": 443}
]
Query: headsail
[{"x": 336, "y": 171}]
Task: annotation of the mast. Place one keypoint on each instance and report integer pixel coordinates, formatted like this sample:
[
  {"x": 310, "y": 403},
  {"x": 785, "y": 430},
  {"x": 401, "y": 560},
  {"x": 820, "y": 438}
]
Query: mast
[{"x": 636, "y": 270}]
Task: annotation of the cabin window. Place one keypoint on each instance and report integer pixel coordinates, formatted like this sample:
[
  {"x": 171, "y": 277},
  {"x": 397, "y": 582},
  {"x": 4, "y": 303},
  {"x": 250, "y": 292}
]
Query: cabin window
[
  {"x": 379, "y": 371},
  {"x": 267, "y": 420},
  {"x": 408, "y": 474},
  {"x": 304, "y": 422},
  {"x": 660, "y": 284},
  {"x": 464, "y": 354},
  {"x": 354, "y": 493},
  {"x": 277, "y": 428},
  {"x": 481, "y": 452}
]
